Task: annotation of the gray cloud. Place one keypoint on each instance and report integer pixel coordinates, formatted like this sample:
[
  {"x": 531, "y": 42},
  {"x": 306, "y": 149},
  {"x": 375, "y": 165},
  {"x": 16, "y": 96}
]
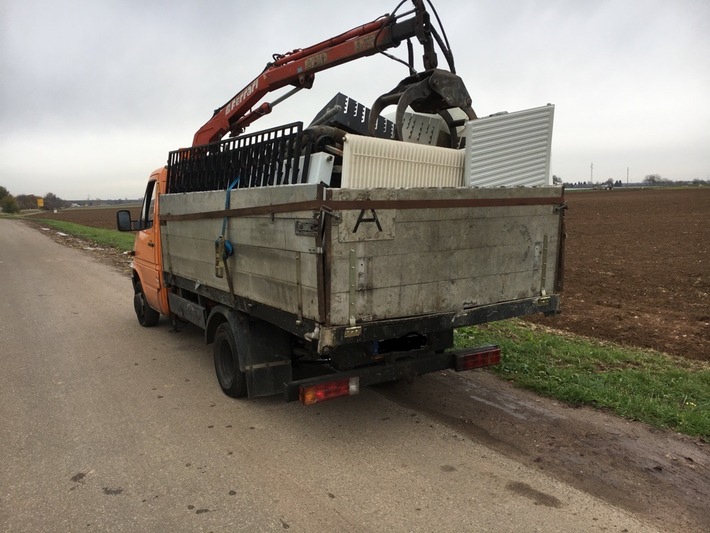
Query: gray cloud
[{"x": 94, "y": 94}]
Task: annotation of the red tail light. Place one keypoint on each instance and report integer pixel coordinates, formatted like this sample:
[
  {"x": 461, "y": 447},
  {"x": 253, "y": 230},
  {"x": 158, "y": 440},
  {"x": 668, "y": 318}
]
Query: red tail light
[
  {"x": 320, "y": 392},
  {"x": 478, "y": 358}
]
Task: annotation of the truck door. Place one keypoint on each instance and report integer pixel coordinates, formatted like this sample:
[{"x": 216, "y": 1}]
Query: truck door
[{"x": 147, "y": 258}]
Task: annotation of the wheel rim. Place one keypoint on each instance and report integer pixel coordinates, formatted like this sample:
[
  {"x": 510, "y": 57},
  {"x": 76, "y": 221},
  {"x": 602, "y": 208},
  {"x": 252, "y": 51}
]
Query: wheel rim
[
  {"x": 226, "y": 364},
  {"x": 139, "y": 304}
]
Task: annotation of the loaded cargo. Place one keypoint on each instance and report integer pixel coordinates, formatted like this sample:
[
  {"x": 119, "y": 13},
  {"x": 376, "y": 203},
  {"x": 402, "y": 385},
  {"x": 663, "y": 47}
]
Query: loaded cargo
[{"x": 322, "y": 259}]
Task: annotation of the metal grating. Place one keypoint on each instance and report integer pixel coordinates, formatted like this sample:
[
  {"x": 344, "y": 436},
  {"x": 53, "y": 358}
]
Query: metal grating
[
  {"x": 350, "y": 115},
  {"x": 369, "y": 162},
  {"x": 424, "y": 128},
  {"x": 269, "y": 157},
  {"x": 511, "y": 149}
]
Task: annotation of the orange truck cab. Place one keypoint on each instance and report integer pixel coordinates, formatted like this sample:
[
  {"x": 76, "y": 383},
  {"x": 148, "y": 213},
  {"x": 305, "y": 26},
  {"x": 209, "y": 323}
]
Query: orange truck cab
[{"x": 150, "y": 294}]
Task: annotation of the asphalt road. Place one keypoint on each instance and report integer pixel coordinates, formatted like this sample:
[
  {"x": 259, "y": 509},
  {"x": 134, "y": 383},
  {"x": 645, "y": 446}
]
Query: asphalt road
[{"x": 107, "y": 426}]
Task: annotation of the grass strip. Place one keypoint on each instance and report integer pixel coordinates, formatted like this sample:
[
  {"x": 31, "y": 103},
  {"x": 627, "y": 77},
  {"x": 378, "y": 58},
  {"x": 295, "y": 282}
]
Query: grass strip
[
  {"x": 658, "y": 389},
  {"x": 102, "y": 237}
]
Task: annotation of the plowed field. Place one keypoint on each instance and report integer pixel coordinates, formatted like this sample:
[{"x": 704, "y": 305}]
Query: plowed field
[{"x": 637, "y": 267}]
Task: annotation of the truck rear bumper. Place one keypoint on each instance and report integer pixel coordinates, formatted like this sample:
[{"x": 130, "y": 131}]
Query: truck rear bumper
[
  {"x": 407, "y": 368},
  {"x": 331, "y": 337}
]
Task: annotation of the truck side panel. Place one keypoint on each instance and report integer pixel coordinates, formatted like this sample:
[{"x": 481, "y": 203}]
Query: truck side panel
[
  {"x": 270, "y": 263},
  {"x": 443, "y": 259},
  {"x": 386, "y": 254}
]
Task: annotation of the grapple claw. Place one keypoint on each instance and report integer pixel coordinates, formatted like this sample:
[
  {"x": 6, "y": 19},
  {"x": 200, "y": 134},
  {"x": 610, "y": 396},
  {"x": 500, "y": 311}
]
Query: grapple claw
[{"x": 433, "y": 91}]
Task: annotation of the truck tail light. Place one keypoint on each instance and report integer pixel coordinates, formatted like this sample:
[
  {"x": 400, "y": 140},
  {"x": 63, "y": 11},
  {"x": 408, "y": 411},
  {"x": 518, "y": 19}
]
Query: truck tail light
[
  {"x": 320, "y": 392},
  {"x": 478, "y": 358}
]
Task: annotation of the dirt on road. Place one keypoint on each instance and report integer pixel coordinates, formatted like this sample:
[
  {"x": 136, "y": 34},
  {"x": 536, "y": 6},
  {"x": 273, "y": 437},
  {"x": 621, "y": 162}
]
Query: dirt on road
[{"x": 659, "y": 475}]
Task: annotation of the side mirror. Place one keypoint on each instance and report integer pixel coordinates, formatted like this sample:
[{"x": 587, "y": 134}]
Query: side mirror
[{"x": 123, "y": 220}]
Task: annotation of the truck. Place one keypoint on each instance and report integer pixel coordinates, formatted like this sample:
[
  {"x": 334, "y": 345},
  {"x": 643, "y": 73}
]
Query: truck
[{"x": 321, "y": 259}]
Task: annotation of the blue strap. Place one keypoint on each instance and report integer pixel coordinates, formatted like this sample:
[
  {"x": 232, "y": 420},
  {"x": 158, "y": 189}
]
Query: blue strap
[
  {"x": 226, "y": 202},
  {"x": 228, "y": 248}
]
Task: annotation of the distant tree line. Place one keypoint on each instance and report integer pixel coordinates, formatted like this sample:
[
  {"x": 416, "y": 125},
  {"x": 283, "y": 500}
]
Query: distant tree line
[
  {"x": 14, "y": 204},
  {"x": 50, "y": 201},
  {"x": 27, "y": 201},
  {"x": 651, "y": 180},
  {"x": 8, "y": 204},
  {"x": 608, "y": 184},
  {"x": 655, "y": 180}
]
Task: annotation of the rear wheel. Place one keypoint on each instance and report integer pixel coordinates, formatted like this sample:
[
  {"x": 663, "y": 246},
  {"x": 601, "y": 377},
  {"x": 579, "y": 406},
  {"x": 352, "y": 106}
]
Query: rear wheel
[
  {"x": 147, "y": 316},
  {"x": 232, "y": 381}
]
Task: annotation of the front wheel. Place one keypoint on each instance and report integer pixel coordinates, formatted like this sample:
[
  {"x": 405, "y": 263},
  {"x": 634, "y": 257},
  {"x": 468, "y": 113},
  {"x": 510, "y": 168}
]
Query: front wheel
[
  {"x": 226, "y": 363},
  {"x": 147, "y": 316}
]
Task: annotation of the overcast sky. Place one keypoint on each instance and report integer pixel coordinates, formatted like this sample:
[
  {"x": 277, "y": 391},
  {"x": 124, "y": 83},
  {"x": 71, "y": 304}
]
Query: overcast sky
[{"x": 95, "y": 93}]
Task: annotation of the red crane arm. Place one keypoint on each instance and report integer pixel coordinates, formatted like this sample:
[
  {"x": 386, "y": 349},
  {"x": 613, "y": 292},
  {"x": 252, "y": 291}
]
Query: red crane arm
[{"x": 299, "y": 67}]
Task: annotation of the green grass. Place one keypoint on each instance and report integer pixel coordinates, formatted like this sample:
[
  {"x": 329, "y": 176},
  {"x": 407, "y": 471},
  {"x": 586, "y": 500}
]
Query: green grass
[
  {"x": 651, "y": 387},
  {"x": 102, "y": 237}
]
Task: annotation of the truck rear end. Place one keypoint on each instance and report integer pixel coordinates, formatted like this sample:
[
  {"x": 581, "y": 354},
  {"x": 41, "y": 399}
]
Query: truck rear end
[
  {"x": 330, "y": 252},
  {"x": 343, "y": 254}
]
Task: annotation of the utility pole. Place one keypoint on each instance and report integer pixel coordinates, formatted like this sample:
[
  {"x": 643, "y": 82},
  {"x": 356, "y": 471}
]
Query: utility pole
[
  {"x": 627, "y": 176},
  {"x": 591, "y": 173}
]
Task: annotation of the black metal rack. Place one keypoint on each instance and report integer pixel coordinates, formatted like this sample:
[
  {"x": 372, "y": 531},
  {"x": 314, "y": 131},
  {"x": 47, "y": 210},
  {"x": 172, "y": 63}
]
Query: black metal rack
[{"x": 270, "y": 157}]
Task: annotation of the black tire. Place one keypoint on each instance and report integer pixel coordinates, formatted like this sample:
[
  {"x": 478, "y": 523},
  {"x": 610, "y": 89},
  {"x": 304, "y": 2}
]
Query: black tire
[
  {"x": 232, "y": 381},
  {"x": 147, "y": 316}
]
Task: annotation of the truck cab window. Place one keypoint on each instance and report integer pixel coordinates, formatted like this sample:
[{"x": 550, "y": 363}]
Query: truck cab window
[{"x": 146, "y": 220}]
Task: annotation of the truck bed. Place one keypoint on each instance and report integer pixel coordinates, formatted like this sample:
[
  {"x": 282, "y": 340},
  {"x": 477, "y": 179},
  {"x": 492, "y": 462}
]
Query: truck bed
[{"x": 342, "y": 260}]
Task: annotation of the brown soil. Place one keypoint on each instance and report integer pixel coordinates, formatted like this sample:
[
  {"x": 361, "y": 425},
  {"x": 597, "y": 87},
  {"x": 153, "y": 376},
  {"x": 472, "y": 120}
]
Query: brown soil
[
  {"x": 638, "y": 269},
  {"x": 94, "y": 217}
]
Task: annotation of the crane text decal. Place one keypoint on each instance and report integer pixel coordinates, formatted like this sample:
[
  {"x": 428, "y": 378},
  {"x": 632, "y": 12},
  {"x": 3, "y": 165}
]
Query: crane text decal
[
  {"x": 316, "y": 61},
  {"x": 246, "y": 93},
  {"x": 365, "y": 43}
]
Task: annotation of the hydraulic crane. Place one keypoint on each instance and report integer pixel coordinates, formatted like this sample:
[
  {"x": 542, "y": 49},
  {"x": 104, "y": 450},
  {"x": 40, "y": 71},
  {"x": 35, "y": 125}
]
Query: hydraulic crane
[{"x": 431, "y": 91}]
